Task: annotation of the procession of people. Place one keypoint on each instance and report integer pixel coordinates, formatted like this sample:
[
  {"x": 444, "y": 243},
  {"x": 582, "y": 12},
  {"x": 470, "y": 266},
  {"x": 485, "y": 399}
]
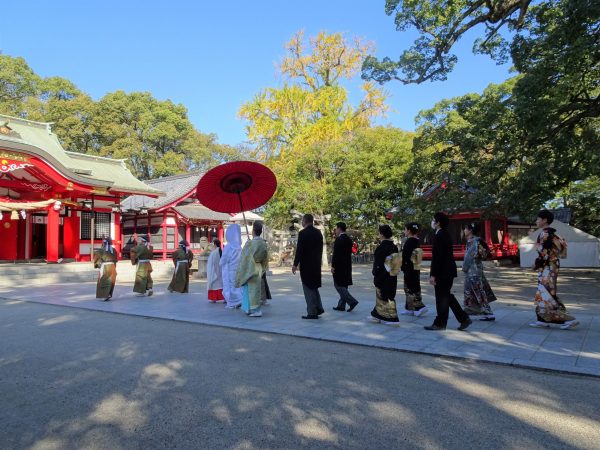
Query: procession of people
[{"x": 237, "y": 276}]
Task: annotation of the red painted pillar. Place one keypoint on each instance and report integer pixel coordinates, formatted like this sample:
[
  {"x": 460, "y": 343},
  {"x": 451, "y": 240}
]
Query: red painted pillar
[
  {"x": 164, "y": 236},
  {"x": 487, "y": 225},
  {"x": 21, "y": 238},
  {"x": 118, "y": 241},
  {"x": 52, "y": 230},
  {"x": 188, "y": 233},
  {"x": 71, "y": 235},
  {"x": 220, "y": 233},
  {"x": 135, "y": 233}
]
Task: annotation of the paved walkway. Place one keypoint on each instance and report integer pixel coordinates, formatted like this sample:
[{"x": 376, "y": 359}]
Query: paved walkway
[{"x": 509, "y": 340}]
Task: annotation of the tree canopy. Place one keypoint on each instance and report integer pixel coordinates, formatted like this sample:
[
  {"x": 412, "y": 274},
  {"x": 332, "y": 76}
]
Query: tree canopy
[
  {"x": 312, "y": 107},
  {"x": 155, "y": 137},
  {"x": 441, "y": 24},
  {"x": 326, "y": 156},
  {"x": 513, "y": 147}
]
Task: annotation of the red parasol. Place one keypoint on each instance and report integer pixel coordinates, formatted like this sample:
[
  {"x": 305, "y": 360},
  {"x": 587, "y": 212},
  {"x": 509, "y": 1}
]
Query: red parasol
[{"x": 236, "y": 187}]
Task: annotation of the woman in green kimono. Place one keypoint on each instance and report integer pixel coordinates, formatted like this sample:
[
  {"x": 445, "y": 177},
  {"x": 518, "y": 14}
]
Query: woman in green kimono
[
  {"x": 105, "y": 259},
  {"x": 254, "y": 261},
  {"x": 141, "y": 255},
  {"x": 182, "y": 258}
]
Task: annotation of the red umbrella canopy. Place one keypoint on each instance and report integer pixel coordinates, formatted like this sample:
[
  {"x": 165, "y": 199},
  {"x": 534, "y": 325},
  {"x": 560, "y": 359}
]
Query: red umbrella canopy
[{"x": 236, "y": 186}]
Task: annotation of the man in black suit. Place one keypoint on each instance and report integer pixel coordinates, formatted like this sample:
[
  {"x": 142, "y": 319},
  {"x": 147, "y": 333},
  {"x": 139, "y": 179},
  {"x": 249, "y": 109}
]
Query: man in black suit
[
  {"x": 309, "y": 252},
  {"x": 341, "y": 268},
  {"x": 441, "y": 276}
]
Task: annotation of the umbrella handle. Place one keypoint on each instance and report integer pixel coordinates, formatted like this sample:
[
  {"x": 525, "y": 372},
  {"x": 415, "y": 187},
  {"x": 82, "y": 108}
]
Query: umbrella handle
[{"x": 243, "y": 214}]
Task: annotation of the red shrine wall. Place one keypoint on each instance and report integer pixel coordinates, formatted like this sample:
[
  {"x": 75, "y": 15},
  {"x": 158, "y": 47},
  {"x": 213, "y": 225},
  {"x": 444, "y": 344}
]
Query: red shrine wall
[{"x": 8, "y": 237}]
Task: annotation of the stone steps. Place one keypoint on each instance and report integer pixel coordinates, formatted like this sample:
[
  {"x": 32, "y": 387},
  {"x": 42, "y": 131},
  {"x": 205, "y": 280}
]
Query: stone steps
[{"x": 40, "y": 273}]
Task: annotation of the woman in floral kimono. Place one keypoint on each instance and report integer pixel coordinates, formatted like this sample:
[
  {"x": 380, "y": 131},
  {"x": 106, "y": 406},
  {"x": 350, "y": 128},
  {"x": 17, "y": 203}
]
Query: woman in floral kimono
[
  {"x": 411, "y": 253},
  {"x": 385, "y": 283},
  {"x": 105, "y": 259},
  {"x": 478, "y": 293},
  {"x": 182, "y": 258},
  {"x": 214, "y": 277},
  {"x": 548, "y": 308},
  {"x": 229, "y": 264}
]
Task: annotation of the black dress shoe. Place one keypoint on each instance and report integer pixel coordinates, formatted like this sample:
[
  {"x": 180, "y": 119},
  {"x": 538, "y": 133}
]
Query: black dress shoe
[
  {"x": 310, "y": 316},
  {"x": 337, "y": 308},
  {"x": 321, "y": 311},
  {"x": 352, "y": 307},
  {"x": 464, "y": 325},
  {"x": 434, "y": 328}
]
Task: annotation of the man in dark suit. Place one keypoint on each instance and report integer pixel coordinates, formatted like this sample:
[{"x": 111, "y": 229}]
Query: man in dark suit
[
  {"x": 309, "y": 252},
  {"x": 341, "y": 268},
  {"x": 442, "y": 274}
]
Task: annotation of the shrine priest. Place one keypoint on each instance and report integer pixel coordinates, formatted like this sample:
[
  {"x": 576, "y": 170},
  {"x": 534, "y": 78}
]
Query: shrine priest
[
  {"x": 141, "y": 255},
  {"x": 105, "y": 259},
  {"x": 182, "y": 259}
]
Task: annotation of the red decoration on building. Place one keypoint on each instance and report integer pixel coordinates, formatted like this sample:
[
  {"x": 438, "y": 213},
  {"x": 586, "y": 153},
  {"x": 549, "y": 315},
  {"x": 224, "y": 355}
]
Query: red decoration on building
[{"x": 10, "y": 166}]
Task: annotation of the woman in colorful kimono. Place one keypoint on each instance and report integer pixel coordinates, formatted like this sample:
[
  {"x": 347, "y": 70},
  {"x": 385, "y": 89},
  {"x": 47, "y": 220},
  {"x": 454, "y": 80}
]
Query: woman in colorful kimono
[
  {"x": 141, "y": 255},
  {"x": 229, "y": 264},
  {"x": 214, "y": 278},
  {"x": 385, "y": 278},
  {"x": 411, "y": 256},
  {"x": 548, "y": 308},
  {"x": 478, "y": 293},
  {"x": 105, "y": 259},
  {"x": 182, "y": 259}
]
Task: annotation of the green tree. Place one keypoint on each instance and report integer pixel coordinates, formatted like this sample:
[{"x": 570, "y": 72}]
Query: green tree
[
  {"x": 584, "y": 200},
  {"x": 300, "y": 129},
  {"x": 155, "y": 137},
  {"x": 312, "y": 107},
  {"x": 18, "y": 83},
  {"x": 513, "y": 147},
  {"x": 441, "y": 24}
]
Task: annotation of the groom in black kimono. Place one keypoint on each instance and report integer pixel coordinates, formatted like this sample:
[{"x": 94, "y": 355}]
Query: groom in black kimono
[
  {"x": 341, "y": 268},
  {"x": 309, "y": 252}
]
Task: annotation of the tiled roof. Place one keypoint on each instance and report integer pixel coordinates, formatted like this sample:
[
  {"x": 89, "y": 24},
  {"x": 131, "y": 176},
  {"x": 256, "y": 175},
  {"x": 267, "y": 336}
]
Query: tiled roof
[
  {"x": 37, "y": 138},
  {"x": 198, "y": 211},
  {"x": 113, "y": 170},
  {"x": 175, "y": 187}
]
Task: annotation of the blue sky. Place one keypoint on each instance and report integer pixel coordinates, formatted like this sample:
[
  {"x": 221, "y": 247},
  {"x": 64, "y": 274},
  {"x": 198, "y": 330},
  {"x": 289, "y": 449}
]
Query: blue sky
[{"x": 212, "y": 56}]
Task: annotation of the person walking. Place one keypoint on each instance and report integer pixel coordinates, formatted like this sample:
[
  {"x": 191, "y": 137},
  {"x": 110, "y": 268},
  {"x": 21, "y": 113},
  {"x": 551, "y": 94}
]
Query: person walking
[
  {"x": 141, "y": 255},
  {"x": 386, "y": 266},
  {"x": 309, "y": 254},
  {"x": 341, "y": 268},
  {"x": 230, "y": 260},
  {"x": 412, "y": 255},
  {"x": 550, "y": 248},
  {"x": 182, "y": 259},
  {"x": 254, "y": 262},
  {"x": 441, "y": 276},
  {"x": 105, "y": 259},
  {"x": 214, "y": 277},
  {"x": 478, "y": 293}
]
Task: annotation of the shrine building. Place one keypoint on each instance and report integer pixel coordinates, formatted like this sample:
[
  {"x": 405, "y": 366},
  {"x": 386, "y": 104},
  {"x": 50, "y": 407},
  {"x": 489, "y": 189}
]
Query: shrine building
[{"x": 55, "y": 205}]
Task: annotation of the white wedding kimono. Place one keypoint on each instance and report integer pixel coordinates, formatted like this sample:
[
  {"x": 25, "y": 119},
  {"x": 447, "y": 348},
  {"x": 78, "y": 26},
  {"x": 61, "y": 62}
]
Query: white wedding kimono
[
  {"x": 229, "y": 264},
  {"x": 214, "y": 278}
]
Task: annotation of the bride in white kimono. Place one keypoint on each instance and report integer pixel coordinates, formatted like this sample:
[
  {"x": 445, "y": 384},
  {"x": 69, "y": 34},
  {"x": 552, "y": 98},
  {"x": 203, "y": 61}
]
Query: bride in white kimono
[
  {"x": 229, "y": 264},
  {"x": 214, "y": 279}
]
